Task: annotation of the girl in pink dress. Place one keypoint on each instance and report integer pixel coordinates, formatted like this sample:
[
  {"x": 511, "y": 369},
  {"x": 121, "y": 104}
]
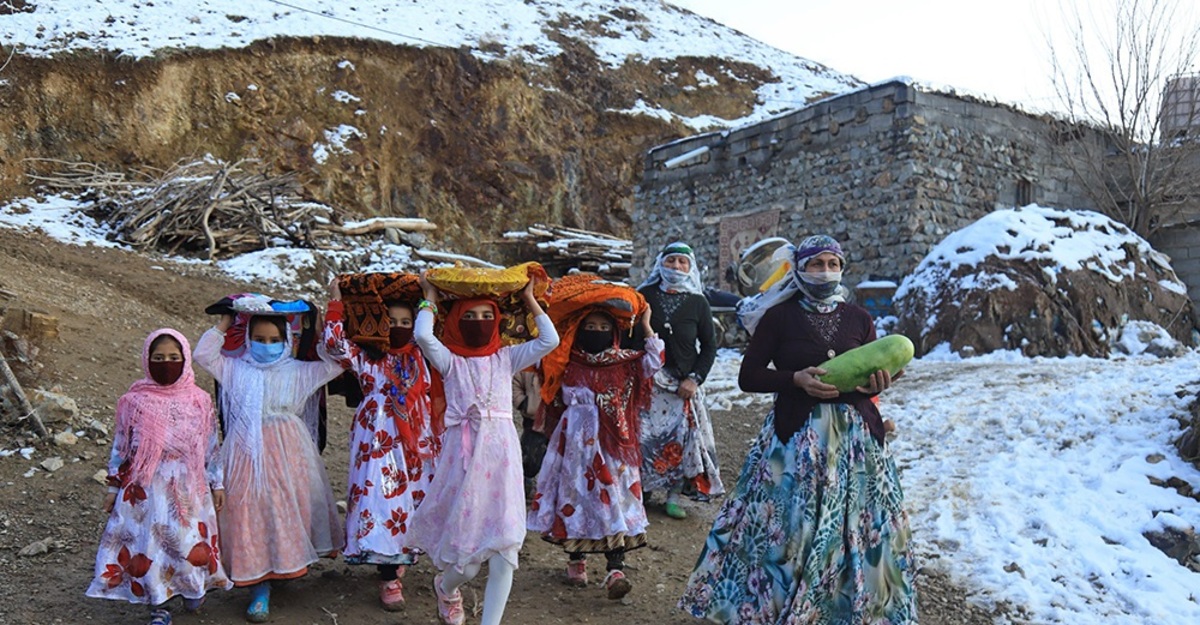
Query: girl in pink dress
[
  {"x": 280, "y": 515},
  {"x": 392, "y": 445},
  {"x": 161, "y": 537},
  {"x": 474, "y": 511}
]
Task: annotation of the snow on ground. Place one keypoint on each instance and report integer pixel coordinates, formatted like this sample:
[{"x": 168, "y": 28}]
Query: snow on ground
[
  {"x": 1027, "y": 479},
  {"x": 646, "y": 29}
]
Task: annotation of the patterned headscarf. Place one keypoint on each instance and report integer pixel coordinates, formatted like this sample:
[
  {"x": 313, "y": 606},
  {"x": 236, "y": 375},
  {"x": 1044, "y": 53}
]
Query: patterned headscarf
[
  {"x": 817, "y": 295},
  {"x": 671, "y": 279},
  {"x": 176, "y": 418}
]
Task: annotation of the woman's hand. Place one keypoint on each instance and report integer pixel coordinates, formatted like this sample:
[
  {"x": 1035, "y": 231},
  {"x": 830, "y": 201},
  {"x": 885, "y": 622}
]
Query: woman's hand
[
  {"x": 218, "y": 496},
  {"x": 430, "y": 292},
  {"x": 110, "y": 500},
  {"x": 335, "y": 291},
  {"x": 879, "y": 382},
  {"x": 687, "y": 388},
  {"x": 649, "y": 330},
  {"x": 225, "y": 323},
  {"x": 806, "y": 380}
]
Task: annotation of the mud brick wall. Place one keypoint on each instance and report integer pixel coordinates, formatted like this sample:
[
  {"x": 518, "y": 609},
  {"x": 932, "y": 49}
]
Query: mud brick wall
[{"x": 889, "y": 170}]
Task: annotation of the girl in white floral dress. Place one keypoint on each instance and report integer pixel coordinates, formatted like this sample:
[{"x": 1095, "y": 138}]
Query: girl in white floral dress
[
  {"x": 161, "y": 537},
  {"x": 393, "y": 444}
]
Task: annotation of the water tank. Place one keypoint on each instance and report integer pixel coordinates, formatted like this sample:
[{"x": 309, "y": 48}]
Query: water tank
[{"x": 1181, "y": 107}]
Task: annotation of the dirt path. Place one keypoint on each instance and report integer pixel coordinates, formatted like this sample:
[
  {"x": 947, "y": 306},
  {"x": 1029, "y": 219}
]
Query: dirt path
[{"x": 106, "y": 302}]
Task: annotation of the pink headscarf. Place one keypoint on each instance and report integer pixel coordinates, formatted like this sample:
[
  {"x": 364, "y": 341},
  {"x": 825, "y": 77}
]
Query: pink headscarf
[{"x": 174, "y": 420}]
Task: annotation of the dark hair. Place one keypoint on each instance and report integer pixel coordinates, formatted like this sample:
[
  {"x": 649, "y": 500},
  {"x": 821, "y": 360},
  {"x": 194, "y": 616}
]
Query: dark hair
[
  {"x": 279, "y": 322},
  {"x": 165, "y": 337}
]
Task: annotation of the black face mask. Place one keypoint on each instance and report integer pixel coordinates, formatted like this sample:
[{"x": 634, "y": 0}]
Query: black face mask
[
  {"x": 593, "y": 341},
  {"x": 165, "y": 372},
  {"x": 399, "y": 337},
  {"x": 477, "y": 332}
]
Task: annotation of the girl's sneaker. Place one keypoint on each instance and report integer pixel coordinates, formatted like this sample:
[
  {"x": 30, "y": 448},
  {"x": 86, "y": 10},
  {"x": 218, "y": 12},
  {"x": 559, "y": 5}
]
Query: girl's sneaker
[
  {"x": 193, "y": 605},
  {"x": 260, "y": 603},
  {"x": 577, "y": 573},
  {"x": 160, "y": 617},
  {"x": 618, "y": 586},
  {"x": 391, "y": 595},
  {"x": 450, "y": 607}
]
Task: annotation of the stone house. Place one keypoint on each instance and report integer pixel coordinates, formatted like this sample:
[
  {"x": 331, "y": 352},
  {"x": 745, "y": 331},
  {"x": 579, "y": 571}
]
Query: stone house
[{"x": 889, "y": 170}]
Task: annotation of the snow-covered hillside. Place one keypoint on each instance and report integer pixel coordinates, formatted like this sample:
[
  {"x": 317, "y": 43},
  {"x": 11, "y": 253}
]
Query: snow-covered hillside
[{"x": 527, "y": 29}]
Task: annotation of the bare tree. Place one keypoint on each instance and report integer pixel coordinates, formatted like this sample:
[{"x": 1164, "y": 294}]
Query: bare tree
[{"x": 1121, "y": 56}]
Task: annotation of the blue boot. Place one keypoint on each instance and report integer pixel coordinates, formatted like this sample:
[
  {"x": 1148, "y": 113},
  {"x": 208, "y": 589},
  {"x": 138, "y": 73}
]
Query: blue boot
[{"x": 260, "y": 603}]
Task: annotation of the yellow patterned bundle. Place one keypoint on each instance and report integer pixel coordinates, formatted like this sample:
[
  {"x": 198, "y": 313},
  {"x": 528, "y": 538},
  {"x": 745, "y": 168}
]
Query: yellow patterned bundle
[{"x": 502, "y": 285}]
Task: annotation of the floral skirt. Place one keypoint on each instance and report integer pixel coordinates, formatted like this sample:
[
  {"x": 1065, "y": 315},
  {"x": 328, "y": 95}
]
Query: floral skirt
[
  {"x": 159, "y": 542},
  {"x": 814, "y": 534},
  {"x": 678, "y": 447},
  {"x": 586, "y": 500}
]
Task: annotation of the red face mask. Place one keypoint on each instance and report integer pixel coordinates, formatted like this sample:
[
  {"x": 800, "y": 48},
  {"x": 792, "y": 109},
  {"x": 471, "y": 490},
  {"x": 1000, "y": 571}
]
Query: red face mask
[
  {"x": 399, "y": 337},
  {"x": 165, "y": 372},
  {"x": 477, "y": 332}
]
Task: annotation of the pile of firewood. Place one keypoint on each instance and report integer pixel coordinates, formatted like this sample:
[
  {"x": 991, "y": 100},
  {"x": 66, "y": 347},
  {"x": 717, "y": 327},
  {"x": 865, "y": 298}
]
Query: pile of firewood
[
  {"x": 207, "y": 208},
  {"x": 561, "y": 249}
]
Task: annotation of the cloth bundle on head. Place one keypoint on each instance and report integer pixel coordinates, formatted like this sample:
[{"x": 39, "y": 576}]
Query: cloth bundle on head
[
  {"x": 503, "y": 286},
  {"x": 791, "y": 281},
  {"x": 572, "y": 298},
  {"x": 614, "y": 375},
  {"x": 672, "y": 279},
  {"x": 299, "y": 315},
  {"x": 172, "y": 418},
  {"x": 365, "y": 297}
]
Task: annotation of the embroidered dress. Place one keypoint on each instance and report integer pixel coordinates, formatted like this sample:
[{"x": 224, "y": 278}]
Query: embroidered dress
[
  {"x": 589, "y": 494},
  {"x": 161, "y": 537},
  {"x": 279, "y": 515},
  {"x": 475, "y": 506},
  {"x": 392, "y": 448}
]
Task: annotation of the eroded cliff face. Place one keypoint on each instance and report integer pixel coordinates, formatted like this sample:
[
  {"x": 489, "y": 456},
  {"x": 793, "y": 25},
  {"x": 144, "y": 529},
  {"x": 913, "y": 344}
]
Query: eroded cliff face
[{"x": 477, "y": 146}]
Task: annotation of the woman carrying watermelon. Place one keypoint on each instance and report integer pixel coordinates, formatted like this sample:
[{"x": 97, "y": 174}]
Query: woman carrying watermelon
[
  {"x": 815, "y": 531},
  {"x": 679, "y": 452}
]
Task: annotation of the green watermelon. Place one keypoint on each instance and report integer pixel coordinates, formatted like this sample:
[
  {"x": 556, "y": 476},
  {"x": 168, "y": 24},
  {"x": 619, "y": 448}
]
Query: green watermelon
[{"x": 854, "y": 368}]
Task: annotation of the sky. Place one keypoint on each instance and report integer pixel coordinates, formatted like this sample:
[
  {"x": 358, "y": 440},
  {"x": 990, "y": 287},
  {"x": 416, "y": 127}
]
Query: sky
[{"x": 990, "y": 47}]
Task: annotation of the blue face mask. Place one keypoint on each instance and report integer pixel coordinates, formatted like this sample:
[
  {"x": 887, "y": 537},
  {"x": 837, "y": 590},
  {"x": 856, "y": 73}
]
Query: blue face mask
[{"x": 266, "y": 352}]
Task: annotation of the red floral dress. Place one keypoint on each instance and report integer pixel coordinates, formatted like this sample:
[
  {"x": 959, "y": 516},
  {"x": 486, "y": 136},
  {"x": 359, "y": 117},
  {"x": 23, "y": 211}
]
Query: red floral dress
[
  {"x": 161, "y": 539},
  {"x": 392, "y": 449}
]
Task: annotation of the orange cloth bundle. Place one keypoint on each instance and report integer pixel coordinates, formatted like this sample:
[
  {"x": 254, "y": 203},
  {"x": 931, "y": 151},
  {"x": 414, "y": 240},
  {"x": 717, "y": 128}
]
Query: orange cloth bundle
[
  {"x": 365, "y": 297},
  {"x": 571, "y": 299},
  {"x": 502, "y": 285}
]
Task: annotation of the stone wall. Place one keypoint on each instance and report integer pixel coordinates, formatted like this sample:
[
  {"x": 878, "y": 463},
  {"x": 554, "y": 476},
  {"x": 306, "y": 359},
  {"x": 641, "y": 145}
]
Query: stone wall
[{"x": 889, "y": 170}]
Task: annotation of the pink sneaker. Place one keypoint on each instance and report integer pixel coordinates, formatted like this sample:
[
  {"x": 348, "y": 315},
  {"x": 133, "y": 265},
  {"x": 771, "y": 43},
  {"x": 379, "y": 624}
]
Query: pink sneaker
[
  {"x": 391, "y": 595},
  {"x": 618, "y": 586},
  {"x": 450, "y": 608},
  {"x": 577, "y": 573}
]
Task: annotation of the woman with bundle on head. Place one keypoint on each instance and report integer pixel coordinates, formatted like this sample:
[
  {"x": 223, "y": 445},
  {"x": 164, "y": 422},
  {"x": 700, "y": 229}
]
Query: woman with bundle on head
[
  {"x": 679, "y": 452},
  {"x": 393, "y": 440},
  {"x": 474, "y": 511},
  {"x": 279, "y": 515},
  {"x": 165, "y": 488},
  {"x": 815, "y": 531},
  {"x": 589, "y": 489}
]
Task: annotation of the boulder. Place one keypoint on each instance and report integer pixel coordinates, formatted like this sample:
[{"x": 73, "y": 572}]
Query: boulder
[
  {"x": 1045, "y": 282},
  {"x": 54, "y": 407}
]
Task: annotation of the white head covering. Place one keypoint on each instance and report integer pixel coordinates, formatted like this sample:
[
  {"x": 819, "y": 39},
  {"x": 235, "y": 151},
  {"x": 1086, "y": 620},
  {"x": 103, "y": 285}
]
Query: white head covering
[
  {"x": 671, "y": 279},
  {"x": 751, "y": 309}
]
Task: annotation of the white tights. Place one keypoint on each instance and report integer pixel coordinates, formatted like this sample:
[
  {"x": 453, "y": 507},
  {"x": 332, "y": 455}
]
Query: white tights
[{"x": 495, "y": 594}]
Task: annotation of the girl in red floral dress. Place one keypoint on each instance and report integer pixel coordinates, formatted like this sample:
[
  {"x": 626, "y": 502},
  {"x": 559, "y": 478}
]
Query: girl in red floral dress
[
  {"x": 392, "y": 444},
  {"x": 161, "y": 537}
]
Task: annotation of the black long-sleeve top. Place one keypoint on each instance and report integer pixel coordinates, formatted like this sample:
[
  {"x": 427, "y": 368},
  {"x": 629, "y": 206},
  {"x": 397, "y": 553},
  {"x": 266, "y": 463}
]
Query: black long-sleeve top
[
  {"x": 787, "y": 337},
  {"x": 691, "y": 323}
]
